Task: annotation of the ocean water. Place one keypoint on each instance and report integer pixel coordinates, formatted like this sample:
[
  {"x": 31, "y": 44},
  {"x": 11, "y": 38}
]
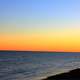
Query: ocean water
[{"x": 35, "y": 65}]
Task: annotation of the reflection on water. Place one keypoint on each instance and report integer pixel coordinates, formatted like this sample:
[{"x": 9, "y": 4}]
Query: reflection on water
[{"x": 35, "y": 65}]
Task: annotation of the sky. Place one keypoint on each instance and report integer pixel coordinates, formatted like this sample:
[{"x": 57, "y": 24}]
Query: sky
[{"x": 40, "y": 25}]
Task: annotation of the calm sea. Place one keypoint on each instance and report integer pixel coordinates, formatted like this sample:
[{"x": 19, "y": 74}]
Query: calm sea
[{"x": 35, "y": 65}]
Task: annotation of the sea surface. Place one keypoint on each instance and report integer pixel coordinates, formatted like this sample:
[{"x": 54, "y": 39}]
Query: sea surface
[{"x": 35, "y": 65}]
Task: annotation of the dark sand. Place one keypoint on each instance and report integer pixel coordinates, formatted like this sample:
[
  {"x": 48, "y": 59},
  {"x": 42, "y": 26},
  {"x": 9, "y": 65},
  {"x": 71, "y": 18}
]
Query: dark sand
[{"x": 71, "y": 75}]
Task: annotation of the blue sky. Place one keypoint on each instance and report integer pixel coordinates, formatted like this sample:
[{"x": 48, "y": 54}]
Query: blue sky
[
  {"x": 39, "y": 8},
  {"x": 30, "y": 13},
  {"x": 40, "y": 25}
]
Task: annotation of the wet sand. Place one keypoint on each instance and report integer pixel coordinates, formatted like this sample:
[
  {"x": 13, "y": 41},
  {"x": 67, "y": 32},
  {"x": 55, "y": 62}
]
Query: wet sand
[{"x": 71, "y": 75}]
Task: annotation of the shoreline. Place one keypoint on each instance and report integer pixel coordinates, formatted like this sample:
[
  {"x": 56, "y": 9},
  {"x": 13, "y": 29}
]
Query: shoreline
[
  {"x": 38, "y": 51},
  {"x": 71, "y": 75}
]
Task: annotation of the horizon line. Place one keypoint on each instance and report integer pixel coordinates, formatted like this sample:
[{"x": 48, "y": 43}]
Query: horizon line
[{"x": 38, "y": 51}]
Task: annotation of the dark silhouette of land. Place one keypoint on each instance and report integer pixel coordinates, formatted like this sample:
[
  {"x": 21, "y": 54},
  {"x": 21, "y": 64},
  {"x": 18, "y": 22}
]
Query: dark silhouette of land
[
  {"x": 71, "y": 75},
  {"x": 36, "y": 51}
]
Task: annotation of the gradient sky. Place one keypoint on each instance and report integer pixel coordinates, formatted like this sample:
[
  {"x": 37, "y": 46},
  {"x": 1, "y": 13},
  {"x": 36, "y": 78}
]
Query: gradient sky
[{"x": 40, "y": 25}]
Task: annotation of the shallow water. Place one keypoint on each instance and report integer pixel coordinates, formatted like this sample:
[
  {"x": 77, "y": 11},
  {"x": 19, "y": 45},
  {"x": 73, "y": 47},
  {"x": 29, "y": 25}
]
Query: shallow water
[{"x": 35, "y": 65}]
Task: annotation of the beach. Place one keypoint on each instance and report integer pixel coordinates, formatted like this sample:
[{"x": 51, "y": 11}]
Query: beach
[{"x": 27, "y": 65}]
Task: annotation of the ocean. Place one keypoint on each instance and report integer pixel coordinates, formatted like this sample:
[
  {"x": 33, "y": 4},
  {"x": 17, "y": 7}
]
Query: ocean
[{"x": 16, "y": 65}]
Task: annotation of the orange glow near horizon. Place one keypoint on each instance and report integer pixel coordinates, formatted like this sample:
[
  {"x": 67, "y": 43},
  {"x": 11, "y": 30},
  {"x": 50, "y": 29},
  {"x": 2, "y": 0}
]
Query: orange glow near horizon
[{"x": 64, "y": 41}]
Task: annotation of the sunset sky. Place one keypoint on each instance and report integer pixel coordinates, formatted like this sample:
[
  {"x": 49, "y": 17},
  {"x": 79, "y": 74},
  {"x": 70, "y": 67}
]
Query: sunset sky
[{"x": 40, "y": 25}]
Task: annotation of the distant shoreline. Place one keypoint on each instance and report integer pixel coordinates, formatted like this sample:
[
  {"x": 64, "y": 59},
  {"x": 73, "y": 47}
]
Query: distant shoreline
[{"x": 35, "y": 51}]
